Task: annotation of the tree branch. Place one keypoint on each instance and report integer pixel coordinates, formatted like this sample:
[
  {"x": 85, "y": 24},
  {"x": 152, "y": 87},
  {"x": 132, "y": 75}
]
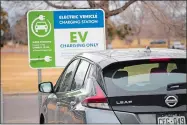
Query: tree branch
[
  {"x": 102, "y": 3},
  {"x": 91, "y": 3},
  {"x": 162, "y": 18},
  {"x": 119, "y": 10},
  {"x": 58, "y": 6},
  {"x": 154, "y": 15},
  {"x": 63, "y": 6}
]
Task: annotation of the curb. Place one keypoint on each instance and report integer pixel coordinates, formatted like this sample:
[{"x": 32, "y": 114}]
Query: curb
[{"x": 18, "y": 94}]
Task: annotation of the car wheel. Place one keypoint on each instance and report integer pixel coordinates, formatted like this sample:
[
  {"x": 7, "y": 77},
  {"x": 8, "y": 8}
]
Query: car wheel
[
  {"x": 2, "y": 45},
  {"x": 42, "y": 120}
]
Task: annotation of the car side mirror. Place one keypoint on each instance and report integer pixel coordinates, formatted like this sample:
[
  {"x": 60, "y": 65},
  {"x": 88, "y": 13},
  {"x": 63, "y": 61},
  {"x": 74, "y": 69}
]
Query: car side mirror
[{"x": 46, "y": 87}]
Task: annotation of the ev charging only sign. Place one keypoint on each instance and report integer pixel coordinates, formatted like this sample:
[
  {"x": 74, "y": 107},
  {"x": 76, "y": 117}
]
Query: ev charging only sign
[{"x": 54, "y": 37}]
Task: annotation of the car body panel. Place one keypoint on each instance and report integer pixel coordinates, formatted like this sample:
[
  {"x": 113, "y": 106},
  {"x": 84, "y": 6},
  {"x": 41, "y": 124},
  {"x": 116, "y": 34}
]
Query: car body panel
[
  {"x": 107, "y": 57},
  {"x": 58, "y": 107}
]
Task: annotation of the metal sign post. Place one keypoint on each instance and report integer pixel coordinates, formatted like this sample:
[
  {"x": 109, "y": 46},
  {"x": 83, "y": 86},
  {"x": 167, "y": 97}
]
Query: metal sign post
[
  {"x": 39, "y": 94},
  {"x": 2, "y": 113}
]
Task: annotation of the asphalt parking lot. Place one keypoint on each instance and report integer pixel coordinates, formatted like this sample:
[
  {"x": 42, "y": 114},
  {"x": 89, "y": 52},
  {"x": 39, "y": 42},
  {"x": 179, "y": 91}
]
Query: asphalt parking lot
[{"x": 20, "y": 109}]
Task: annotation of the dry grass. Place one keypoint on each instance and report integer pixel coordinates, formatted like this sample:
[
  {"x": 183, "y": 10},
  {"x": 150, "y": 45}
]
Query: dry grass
[
  {"x": 17, "y": 76},
  {"x": 117, "y": 43}
]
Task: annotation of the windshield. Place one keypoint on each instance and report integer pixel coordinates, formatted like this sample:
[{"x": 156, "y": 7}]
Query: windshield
[{"x": 145, "y": 76}]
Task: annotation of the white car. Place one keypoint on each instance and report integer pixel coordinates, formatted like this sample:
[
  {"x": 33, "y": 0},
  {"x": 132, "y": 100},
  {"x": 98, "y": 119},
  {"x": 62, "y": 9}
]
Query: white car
[
  {"x": 41, "y": 26},
  {"x": 177, "y": 45}
]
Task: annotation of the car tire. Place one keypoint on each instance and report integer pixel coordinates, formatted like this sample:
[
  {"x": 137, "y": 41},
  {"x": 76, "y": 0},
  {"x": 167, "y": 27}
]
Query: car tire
[
  {"x": 42, "y": 120},
  {"x": 2, "y": 45}
]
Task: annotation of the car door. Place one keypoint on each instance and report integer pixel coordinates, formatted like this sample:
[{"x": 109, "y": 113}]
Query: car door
[
  {"x": 73, "y": 96},
  {"x": 63, "y": 84}
]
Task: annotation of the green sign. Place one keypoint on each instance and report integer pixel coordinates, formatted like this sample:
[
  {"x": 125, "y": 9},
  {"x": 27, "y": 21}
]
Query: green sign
[
  {"x": 54, "y": 37},
  {"x": 41, "y": 38}
]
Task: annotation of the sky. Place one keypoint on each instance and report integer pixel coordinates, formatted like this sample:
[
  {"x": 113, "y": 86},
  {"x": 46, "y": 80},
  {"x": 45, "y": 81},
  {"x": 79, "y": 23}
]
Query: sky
[{"x": 15, "y": 11}]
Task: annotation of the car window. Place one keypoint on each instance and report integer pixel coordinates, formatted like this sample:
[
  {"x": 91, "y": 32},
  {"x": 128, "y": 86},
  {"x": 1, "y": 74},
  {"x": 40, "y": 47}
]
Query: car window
[
  {"x": 80, "y": 75},
  {"x": 65, "y": 79},
  {"x": 144, "y": 76},
  {"x": 171, "y": 67}
]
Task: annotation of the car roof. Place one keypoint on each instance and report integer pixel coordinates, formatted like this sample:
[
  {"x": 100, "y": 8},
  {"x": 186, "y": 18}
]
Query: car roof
[{"x": 106, "y": 57}]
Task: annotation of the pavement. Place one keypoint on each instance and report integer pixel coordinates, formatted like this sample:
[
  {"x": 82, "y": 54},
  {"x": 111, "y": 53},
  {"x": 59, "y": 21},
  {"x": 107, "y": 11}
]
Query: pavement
[{"x": 20, "y": 109}]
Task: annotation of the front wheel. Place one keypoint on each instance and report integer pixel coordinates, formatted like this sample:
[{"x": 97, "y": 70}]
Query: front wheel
[{"x": 42, "y": 120}]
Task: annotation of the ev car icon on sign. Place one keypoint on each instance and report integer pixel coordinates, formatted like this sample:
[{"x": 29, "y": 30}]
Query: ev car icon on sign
[{"x": 41, "y": 27}]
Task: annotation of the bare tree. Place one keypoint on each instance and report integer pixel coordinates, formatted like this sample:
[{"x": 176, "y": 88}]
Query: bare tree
[
  {"x": 165, "y": 19},
  {"x": 95, "y": 4},
  {"x": 119, "y": 6},
  {"x": 21, "y": 31},
  {"x": 135, "y": 17},
  {"x": 137, "y": 20},
  {"x": 168, "y": 13},
  {"x": 111, "y": 8}
]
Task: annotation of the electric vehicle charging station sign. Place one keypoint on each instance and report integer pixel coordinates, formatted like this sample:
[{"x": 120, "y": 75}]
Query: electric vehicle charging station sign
[{"x": 55, "y": 37}]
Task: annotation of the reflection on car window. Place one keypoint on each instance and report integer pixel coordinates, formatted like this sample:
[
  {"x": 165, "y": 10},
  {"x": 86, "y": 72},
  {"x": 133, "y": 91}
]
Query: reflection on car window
[
  {"x": 148, "y": 77},
  {"x": 140, "y": 69},
  {"x": 171, "y": 67},
  {"x": 67, "y": 76},
  {"x": 80, "y": 75}
]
